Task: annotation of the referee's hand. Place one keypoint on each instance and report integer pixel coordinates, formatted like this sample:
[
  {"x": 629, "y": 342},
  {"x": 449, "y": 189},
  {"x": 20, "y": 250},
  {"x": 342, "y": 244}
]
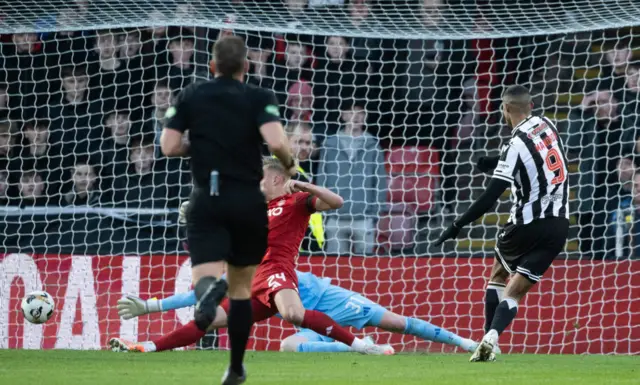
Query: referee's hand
[
  {"x": 450, "y": 233},
  {"x": 293, "y": 170}
]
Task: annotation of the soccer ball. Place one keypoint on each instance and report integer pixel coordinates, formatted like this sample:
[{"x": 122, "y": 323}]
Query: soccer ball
[{"x": 37, "y": 307}]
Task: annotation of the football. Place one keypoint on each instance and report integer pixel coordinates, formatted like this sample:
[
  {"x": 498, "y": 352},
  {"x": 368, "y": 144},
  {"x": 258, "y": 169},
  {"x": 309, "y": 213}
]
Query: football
[{"x": 37, "y": 307}]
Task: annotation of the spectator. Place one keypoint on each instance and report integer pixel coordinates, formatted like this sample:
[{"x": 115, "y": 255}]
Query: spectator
[
  {"x": 620, "y": 218},
  {"x": 4, "y": 187},
  {"x": 160, "y": 102},
  {"x": 82, "y": 191},
  {"x": 631, "y": 92},
  {"x": 469, "y": 116},
  {"x": 303, "y": 148},
  {"x": 181, "y": 65},
  {"x": 42, "y": 155},
  {"x": 596, "y": 134},
  {"x": 337, "y": 78},
  {"x": 149, "y": 184},
  {"x": 352, "y": 164},
  {"x": 108, "y": 78},
  {"x": 615, "y": 69},
  {"x": 132, "y": 76},
  {"x": 66, "y": 47},
  {"x": 295, "y": 12},
  {"x": 423, "y": 59},
  {"x": 106, "y": 52},
  {"x": 296, "y": 67},
  {"x": 365, "y": 48},
  {"x": 7, "y": 142},
  {"x": 260, "y": 59},
  {"x": 4, "y": 101},
  {"x": 299, "y": 103},
  {"x": 160, "y": 31},
  {"x": 154, "y": 49},
  {"x": 32, "y": 190},
  {"x": 130, "y": 45},
  {"x": 26, "y": 72},
  {"x": 75, "y": 121},
  {"x": 114, "y": 151},
  {"x": 631, "y": 81},
  {"x": 635, "y": 231}
]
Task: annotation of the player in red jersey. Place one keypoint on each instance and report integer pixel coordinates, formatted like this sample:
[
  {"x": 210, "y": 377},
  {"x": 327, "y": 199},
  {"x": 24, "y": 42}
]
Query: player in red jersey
[{"x": 275, "y": 284}]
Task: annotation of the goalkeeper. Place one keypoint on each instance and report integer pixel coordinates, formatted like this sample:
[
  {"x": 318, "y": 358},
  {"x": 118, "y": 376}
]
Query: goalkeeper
[{"x": 346, "y": 307}]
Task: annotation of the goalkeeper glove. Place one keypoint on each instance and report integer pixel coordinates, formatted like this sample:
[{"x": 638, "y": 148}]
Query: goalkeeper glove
[
  {"x": 131, "y": 306},
  {"x": 182, "y": 217}
]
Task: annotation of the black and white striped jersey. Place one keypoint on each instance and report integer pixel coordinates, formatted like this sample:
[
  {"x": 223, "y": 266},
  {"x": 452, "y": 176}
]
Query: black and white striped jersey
[{"x": 535, "y": 164}]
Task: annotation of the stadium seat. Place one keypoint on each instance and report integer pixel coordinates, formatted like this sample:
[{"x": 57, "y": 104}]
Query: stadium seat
[
  {"x": 413, "y": 190},
  {"x": 396, "y": 231},
  {"x": 413, "y": 160}
]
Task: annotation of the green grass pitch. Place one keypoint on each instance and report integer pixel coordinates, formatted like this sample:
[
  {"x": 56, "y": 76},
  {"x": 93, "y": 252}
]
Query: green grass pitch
[{"x": 53, "y": 367}]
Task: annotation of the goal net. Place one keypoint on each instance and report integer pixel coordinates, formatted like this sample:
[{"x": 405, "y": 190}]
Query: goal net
[{"x": 389, "y": 103}]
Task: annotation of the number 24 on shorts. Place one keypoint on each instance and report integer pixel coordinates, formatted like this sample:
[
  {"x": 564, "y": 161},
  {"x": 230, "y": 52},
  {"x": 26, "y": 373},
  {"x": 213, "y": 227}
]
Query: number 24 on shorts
[{"x": 273, "y": 279}]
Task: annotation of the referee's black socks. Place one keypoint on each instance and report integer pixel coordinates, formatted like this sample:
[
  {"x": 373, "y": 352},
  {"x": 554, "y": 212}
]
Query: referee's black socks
[
  {"x": 492, "y": 298},
  {"x": 240, "y": 320},
  {"x": 505, "y": 313}
]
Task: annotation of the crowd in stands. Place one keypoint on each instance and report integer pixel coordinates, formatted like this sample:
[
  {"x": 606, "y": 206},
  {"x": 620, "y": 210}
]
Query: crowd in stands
[{"x": 81, "y": 114}]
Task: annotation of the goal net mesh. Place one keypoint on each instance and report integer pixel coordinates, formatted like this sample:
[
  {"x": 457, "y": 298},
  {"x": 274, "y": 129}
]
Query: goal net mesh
[{"x": 389, "y": 103}]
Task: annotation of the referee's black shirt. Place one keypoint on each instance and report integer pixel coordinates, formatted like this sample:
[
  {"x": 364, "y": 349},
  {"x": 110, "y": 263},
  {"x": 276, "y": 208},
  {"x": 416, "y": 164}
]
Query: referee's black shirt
[{"x": 223, "y": 117}]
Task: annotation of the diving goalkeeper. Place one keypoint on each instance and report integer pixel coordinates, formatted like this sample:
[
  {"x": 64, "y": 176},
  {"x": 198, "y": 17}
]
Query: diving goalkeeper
[{"x": 344, "y": 306}]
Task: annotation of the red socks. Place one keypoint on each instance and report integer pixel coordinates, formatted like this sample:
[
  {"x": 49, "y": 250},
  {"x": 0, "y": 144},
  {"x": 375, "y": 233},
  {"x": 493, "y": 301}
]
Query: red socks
[
  {"x": 182, "y": 336},
  {"x": 325, "y": 325},
  {"x": 314, "y": 320}
]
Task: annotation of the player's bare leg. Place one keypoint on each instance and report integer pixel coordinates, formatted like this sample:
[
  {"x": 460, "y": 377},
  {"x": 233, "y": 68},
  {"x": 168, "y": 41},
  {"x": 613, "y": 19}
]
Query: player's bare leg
[
  {"x": 290, "y": 308},
  {"x": 240, "y": 320},
  {"x": 506, "y": 311}
]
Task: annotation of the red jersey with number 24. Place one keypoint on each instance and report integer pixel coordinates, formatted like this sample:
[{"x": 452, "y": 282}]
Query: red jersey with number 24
[{"x": 288, "y": 220}]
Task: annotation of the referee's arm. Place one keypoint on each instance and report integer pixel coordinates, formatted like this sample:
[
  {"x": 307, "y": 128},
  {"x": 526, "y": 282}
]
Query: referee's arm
[
  {"x": 174, "y": 141},
  {"x": 272, "y": 131}
]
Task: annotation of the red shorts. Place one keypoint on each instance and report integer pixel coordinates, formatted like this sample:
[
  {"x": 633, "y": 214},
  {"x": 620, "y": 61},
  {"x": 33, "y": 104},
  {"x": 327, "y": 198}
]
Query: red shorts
[{"x": 269, "y": 280}]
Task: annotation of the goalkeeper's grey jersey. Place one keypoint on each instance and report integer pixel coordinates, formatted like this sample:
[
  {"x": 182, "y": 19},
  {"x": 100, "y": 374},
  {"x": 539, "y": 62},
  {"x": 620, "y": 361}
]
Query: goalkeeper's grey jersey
[{"x": 535, "y": 164}]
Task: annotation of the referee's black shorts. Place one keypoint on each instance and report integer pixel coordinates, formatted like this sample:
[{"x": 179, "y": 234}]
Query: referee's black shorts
[
  {"x": 231, "y": 227},
  {"x": 530, "y": 249}
]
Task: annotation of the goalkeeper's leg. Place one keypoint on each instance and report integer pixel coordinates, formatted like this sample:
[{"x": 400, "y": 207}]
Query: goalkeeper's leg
[
  {"x": 290, "y": 308},
  {"x": 397, "y": 323},
  {"x": 308, "y": 341}
]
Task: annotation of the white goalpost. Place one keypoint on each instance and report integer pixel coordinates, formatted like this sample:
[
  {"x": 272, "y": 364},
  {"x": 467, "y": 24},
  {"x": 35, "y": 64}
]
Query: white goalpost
[{"x": 388, "y": 102}]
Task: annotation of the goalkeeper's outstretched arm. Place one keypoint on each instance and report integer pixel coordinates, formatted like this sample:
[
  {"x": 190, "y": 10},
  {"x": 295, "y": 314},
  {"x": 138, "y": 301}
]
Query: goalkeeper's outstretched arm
[{"x": 131, "y": 306}]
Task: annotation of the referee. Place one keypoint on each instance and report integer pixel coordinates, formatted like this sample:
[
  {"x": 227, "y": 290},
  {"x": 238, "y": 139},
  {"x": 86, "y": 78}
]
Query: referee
[{"x": 226, "y": 121}]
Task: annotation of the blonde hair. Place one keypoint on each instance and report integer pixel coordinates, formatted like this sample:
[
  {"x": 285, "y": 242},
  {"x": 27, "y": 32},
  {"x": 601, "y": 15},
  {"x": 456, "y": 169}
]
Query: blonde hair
[{"x": 273, "y": 163}]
